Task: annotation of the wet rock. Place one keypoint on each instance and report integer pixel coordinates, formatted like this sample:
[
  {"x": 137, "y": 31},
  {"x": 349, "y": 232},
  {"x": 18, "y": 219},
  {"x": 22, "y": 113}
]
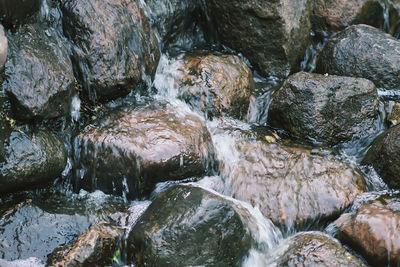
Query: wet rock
[
  {"x": 273, "y": 35},
  {"x": 216, "y": 84},
  {"x": 326, "y": 109},
  {"x": 365, "y": 52},
  {"x": 16, "y": 12},
  {"x": 336, "y": 15},
  {"x": 187, "y": 226},
  {"x": 27, "y": 230},
  {"x": 114, "y": 46},
  {"x": 373, "y": 230},
  {"x": 383, "y": 156},
  {"x": 39, "y": 75},
  {"x": 133, "y": 149},
  {"x": 30, "y": 159},
  {"x": 315, "y": 249},
  {"x": 290, "y": 185},
  {"x": 3, "y": 47},
  {"x": 177, "y": 22},
  {"x": 96, "y": 246}
]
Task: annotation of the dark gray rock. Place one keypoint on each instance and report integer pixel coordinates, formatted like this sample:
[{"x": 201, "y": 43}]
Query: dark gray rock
[
  {"x": 365, "y": 52},
  {"x": 315, "y": 249},
  {"x": 17, "y": 12},
  {"x": 383, "y": 156},
  {"x": 29, "y": 159},
  {"x": 373, "y": 230},
  {"x": 39, "y": 76},
  {"x": 140, "y": 147},
  {"x": 326, "y": 109},
  {"x": 3, "y": 47},
  {"x": 216, "y": 84},
  {"x": 114, "y": 46},
  {"x": 188, "y": 226},
  {"x": 272, "y": 34}
]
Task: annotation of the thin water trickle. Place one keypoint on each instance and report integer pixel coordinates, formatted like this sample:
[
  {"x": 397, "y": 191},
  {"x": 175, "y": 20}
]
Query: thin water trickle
[{"x": 75, "y": 108}]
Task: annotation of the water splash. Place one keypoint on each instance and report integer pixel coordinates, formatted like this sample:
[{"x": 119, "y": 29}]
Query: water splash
[{"x": 75, "y": 108}]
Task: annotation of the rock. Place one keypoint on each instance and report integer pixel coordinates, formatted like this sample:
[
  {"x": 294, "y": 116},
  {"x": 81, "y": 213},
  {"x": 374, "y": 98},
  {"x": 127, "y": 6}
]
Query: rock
[
  {"x": 326, "y": 109},
  {"x": 373, "y": 230},
  {"x": 273, "y": 35},
  {"x": 216, "y": 84},
  {"x": 315, "y": 249},
  {"x": 114, "y": 46},
  {"x": 394, "y": 117},
  {"x": 3, "y": 47},
  {"x": 177, "y": 22},
  {"x": 290, "y": 185},
  {"x": 96, "y": 246},
  {"x": 140, "y": 147},
  {"x": 16, "y": 12},
  {"x": 30, "y": 159},
  {"x": 188, "y": 226},
  {"x": 365, "y": 52},
  {"x": 39, "y": 75},
  {"x": 382, "y": 155},
  {"x": 336, "y": 15}
]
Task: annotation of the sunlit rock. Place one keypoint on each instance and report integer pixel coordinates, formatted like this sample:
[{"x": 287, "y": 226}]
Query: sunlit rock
[
  {"x": 325, "y": 109},
  {"x": 365, "y": 52},
  {"x": 38, "y": 73},
  {"x": 114, "y": 47},
  {"x": 129, "y": 151},
  {"x": 3, "y": 47}
]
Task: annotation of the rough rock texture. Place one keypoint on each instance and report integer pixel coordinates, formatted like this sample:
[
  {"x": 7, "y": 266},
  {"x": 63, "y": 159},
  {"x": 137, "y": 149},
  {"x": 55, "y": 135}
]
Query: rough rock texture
[
  {"x": 30, "y": 159},
  {"x": 39, "y": 75},
  {"x": 394, "y": 117},
  {"x": 338, "y": 14},
  {"x": 177, "y": 22},
  {"x": 365, "y": 52},
  {"x": 141, "y": 147},
  {"x": 272, "y": 34},
  {"x": 216, "y": 84},
  {"x": 383, "y": 156},
  {"x": 373, "y": 230},
  {"x": 114, "y": 45},
  {"x": 96, "y": 246},
  {"x": 290, "y": 185},
  {"x": 188, "y": 226},
  {"x": 326, "y": 109},
  {"x": 316, "y": 249},
  {"x": 16, "y": 12},
  {"x": 3, "y": 47}
]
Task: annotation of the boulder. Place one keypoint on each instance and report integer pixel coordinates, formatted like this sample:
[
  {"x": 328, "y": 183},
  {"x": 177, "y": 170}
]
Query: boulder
[
  {"x": 382, "y": 155},
  {"x": 96, "y": 246},
  {"x": 29, "y": 158},
  {"x": 188, "y": 226},
  {"x": 38, "y": 74},
  {"x": 114, "y": 47},
  {"x": 334, "y": 15},
  {"x": 3, "y": 47},
  {"x": 373, "y": 230},
  {"x": 273, "y": 35},
  {"x": 315, "y": 249},
  {"x": 132, "y": 149},
  {"x": 325, "y": 109},
  {"x": 216, "y": 84},
  {"x": 16, "y": 12},
  {"x": 292, "y": 186},
  {"x": 365, "y": 52}
]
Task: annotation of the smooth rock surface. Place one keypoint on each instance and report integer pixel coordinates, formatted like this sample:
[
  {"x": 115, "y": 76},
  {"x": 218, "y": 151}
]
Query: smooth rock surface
[
  {"x": 216, "y": 85},
  {"x": 365, "y": 52},
  {"x": 3, "y": 47},
  {"x": 114, "y": 46},
  {"x": 325, "y": 109},
  {"x": 273, "y": 35},
  {"x": 373, "y": 230},
  {"x": 17, "y": 12},
  {"x": 133, "y": 149},
  {"x": 39, "y": 76},
  {"x": 383, "y": 156},
  {"x": 188, "y": 226}
]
